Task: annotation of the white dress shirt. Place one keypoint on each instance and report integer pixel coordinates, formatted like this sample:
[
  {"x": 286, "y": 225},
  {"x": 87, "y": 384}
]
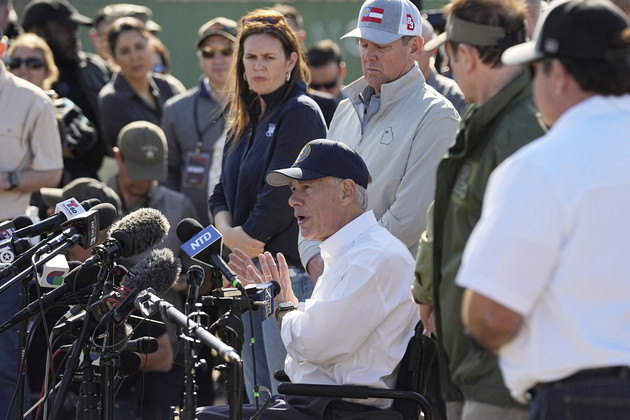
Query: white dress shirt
[{"x": 357, "y": 324}]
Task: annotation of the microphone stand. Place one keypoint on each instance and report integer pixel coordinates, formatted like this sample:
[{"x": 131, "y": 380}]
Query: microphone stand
[
  {"x": 194, "y": 278},
  {"x": 110, "y": 360},
  {"x": 147, "y": 302},
  {"x": 22, "y": 332},
  {"x": 72, "y": 362}
]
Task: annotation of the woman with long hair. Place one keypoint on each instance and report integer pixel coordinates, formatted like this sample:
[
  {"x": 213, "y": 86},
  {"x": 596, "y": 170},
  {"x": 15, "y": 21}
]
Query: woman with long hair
[
  {"x": 135, "y": 93},
  {"x": 270, "y": 118}
]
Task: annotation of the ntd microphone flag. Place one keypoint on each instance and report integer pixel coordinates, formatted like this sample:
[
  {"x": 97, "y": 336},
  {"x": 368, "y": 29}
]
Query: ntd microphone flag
[{"x": 208, "y": 241}]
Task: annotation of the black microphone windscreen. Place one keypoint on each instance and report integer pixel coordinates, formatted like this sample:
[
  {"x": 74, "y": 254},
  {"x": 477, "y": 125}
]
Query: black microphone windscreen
[
  {"x": 188, "y": 228},
  {"x": 129, "y": 363},
  {"x": 81, "y": 276},
  {"x": 107, "y": 213},
  {"x": 140, "y": 230},
  {"x": 159, "y": 271},
  {"x": 22, "y": 222},
  {"x": 89, "y": 203}
]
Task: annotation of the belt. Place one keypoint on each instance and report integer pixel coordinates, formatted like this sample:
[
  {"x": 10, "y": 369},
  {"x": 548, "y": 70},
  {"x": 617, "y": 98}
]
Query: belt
[{"x": 621, "y": 372}]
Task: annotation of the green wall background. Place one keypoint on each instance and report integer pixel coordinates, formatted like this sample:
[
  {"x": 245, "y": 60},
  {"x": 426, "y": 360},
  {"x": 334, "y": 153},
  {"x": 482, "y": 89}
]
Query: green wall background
[{"x": 181, "y": 19}]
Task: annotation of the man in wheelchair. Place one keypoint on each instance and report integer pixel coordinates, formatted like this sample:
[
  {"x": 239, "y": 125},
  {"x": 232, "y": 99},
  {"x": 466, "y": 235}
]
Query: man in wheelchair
[{"x": 355, "y": 328}]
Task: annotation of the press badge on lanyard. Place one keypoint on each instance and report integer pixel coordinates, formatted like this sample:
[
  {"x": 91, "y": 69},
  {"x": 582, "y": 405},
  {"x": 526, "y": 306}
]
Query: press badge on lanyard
[{"x": 197, "y": 165}]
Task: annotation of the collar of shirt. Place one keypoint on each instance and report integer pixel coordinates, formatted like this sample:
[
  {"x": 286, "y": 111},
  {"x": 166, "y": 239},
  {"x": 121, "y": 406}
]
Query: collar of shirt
[
  {"x": 272, "y": 99},
  {"x": 343, "y": 238},
  {"x": 121, "y": 85}
]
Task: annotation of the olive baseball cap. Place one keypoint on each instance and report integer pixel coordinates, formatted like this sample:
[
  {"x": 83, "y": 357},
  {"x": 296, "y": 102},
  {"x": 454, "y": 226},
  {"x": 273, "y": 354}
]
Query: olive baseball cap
[
  {"x": 144, "y": 150},
  {"x": 218, "y": 26}
]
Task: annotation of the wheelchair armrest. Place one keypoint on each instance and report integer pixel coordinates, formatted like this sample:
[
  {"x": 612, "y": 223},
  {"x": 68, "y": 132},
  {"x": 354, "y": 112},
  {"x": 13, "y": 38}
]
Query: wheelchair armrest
[
  {"x": 281, "y": 376},
  {"x": 356, "y": 392},
  {"x": 316, "y": 390}
]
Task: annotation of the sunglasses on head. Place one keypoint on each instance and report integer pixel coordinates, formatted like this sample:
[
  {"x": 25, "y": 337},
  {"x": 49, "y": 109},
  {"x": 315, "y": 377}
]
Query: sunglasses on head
[
  {"x": 31, "y": 63},
  {"x": 270, "y": 19},
  {"x": 209, "y": 52},
  {"x": 329, "y": 85}
]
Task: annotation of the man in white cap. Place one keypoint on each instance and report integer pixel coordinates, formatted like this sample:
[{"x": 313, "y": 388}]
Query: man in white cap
[
  {"x": 547, "y": 265},
  {"x": 400, "y": 127}
]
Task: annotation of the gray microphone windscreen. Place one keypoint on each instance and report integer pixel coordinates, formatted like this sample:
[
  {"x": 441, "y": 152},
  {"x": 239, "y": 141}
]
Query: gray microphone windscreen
[
  {"x": 140, "y": 230},
  {"x": 159, "y": 270}
]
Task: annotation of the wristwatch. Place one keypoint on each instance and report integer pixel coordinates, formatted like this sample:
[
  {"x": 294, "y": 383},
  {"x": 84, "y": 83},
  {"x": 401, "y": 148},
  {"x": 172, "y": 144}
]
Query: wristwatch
[
  {"x": 284, "y": 307},
  {"x": 13, "y": 180}
]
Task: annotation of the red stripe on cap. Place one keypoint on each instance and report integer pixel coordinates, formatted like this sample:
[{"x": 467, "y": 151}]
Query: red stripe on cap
[{"x": 371, "y": 19}]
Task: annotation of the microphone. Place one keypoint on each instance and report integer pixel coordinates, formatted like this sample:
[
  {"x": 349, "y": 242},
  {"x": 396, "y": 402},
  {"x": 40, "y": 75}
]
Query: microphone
[
  {"x": 11, "y": 247},
  {"x": 84, "y": 228},
  {"x": 144, "y": 345},
  {"x": 158, "y": 271},
  {"x": 129, "y": 365},
  {"x": 131, "y": 235},
  {"x": 76, "y": 279},
  {"x": 259, "y": 295},
  {"x": 8, "y": 227},
  {"x": 205, "y": 245},
  {"x": 64, "y": 212}
]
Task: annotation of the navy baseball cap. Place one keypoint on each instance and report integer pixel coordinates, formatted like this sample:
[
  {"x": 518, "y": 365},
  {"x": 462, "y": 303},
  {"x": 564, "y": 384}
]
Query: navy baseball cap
[{"x": 321, "y": 158}]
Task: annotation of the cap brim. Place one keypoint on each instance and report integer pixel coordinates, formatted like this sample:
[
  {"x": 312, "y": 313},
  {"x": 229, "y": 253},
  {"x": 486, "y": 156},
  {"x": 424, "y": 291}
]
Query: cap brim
[
  {"x": 224, "y": 34},
  {"x": 435, "y": 42},
  {"x": 152, "y": 26},
  {"x": 77, "y": 19},
  {"x": 376, "y": 36},
  {"x": 521, "y": 54},
  {"x": 139, "y": 172},
  {"x": 51, "y": 196},
  {"x": 281, "y": 177}
]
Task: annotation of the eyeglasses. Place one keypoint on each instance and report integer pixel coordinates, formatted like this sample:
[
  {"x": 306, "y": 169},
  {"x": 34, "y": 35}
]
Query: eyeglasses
[
  {"x": 209, "y": 52},
  {"x": 31, "y": 63},
  {"x": 270, "y": 19},
  {"x": 328, "y": 86}
]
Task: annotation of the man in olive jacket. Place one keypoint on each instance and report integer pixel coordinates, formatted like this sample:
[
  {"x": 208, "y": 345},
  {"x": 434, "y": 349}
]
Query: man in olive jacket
[{"x": 501, "y": 119}]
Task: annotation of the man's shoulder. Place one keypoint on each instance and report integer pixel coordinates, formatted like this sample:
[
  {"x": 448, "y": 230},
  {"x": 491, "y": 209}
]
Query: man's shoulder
[
  {"x": 181, "y": 100},
  {"x": 173, "y": 197},
  {"x": 94, "y": 62},
  {"x": 25, "y": 89}
]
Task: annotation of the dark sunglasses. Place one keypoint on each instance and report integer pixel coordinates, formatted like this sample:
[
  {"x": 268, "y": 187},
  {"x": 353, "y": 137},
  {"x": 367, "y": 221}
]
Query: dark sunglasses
[
  {"x": 329, "y": 85},
  {"x": 209, "y": 52},
  {"x": 31, "y": 63},
  {"x": 270, "y": 19}
]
